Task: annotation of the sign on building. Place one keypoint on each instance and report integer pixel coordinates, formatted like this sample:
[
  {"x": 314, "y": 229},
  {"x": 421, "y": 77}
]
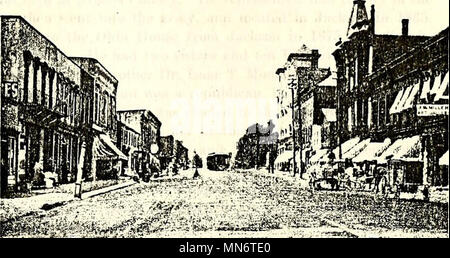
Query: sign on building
[
  {"x": 432, "y": 109},
  {"x": 10, "y": 90}
]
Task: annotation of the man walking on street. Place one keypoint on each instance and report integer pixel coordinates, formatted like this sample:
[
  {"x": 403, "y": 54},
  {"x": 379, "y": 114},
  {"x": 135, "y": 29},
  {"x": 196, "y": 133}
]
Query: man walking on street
[
  {"x": 196, "y": 161},
  {"x": 272, "y": 157}
]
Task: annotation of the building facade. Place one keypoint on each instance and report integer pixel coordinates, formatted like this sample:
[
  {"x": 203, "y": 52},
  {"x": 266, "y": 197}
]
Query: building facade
[
  {"x": 46, "y": 105},
  {"x": 107, "y": 160},
  {"x": 393, "y": 89},
  {"x": 128, "y": 141},
  {"x": 317, "y": 112},
  {"x": 148, "y": 125},
  {"x": 287, "y": 97},
  {"x": 255, "y": 145}
]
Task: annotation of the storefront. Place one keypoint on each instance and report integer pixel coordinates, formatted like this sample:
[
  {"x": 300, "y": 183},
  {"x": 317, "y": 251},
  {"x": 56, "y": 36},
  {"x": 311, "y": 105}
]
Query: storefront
[{"x": 107, "y": 160}]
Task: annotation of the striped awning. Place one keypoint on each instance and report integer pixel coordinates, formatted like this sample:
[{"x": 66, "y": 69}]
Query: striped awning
[
  {"x": 318, "y": 156},
  {"x": 357, "y": 149},
  {"x": 104, "y": 149},
  {"x": 346, "y": 146},
  {"x": 443, "y": 161},
  {"x": 372, "y": 151},
  {"x": 284, "y": 157}
]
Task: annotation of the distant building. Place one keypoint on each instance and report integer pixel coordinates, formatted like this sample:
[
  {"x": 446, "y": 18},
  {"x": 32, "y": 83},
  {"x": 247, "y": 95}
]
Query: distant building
[
  {"x": 107, "y": 159},
  {"x": 129, "y": 142},
  {"x": 172, "y": 152},
  {"x": 181, "y": 154},
  {"x": 148, "y": 125},
  {"x": 318, "y": 112},
  {"x": 300, "y": 72},
  {"x": 253, "y": 147},
  {"x": 166, "y": 151}
]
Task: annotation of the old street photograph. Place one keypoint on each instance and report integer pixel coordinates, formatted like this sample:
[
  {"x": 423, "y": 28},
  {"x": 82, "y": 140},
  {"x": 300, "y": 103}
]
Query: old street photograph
[{"x": 224, "y": 119}]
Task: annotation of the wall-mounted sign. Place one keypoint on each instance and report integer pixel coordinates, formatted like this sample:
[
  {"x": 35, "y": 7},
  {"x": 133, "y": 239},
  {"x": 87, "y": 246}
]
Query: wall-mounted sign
[
  {"x": 10, "y": 90},
  {"x": 432, "y": 109}
]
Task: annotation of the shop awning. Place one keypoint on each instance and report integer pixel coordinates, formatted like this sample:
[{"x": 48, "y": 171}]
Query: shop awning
[
  {"x": 443, "y": 161},
  {"x": 357, "y": 149},
  {"x": 330, "y": 114},
  {"x": 284, "y": 157},
  {"x": 318, "y": 156},
  {"x": 442, "y": 90},
  {"x": 427, "y": 86},
  {"x": 346, "y": 146},
  {"x": 391, "y": 150},
  {"x": 372, "y": 151},
  {"x": 394, "y": 106},
  {"x": 409, "y": 102},
  {"x": 104, "y": 149},
  {"x": 404, "y": 98},
  {"x": 410, "y": 150}
]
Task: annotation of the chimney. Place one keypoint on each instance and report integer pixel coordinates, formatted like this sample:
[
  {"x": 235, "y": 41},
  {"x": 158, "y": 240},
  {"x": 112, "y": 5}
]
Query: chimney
[
  {"x": 372, "y": 19},
  {"x": 405, "y": 24}
]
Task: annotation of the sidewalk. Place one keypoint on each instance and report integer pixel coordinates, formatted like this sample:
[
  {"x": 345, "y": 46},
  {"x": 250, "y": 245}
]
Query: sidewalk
[{"x": 15, "y": 208}]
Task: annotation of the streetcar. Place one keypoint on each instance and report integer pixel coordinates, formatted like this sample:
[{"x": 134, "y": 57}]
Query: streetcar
[{"x": 218, "y": 162}]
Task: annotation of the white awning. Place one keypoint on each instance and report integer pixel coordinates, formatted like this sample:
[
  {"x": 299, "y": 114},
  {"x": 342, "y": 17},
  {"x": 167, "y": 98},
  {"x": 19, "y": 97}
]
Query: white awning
[
  {"x": 357, "y": 149},
  {"x": 404, "y": 98},
  {"x": 427, "y": 86},
  {"x": 394, "y": 106},
  {"x": 330, "y": 114},
  {"x": 411, "y": 150},
  {"x": 372, "y": 151},
  {"x": 443, "y": 161},
  {"x": 318, "y": 156},
  {"x": 284, "y": 157},
  {"x": 443, "y": 87},
  {"x": 409, "y": 103},
  {"x": 346, "y": 146},
  {"x": 104, "y": 149},
  {"x": 391, "y": 150}
]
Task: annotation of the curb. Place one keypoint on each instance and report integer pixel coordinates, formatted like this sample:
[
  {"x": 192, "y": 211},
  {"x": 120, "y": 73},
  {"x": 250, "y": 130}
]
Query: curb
[
  {"x": 51, "y": 205},
  {"x": 91, "y": 194}
]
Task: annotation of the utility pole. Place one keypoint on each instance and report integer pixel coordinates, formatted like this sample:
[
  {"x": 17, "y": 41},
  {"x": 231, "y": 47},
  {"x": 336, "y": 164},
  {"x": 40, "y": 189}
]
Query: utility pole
[
  {"x": 300, "y": 135},
  {"x": 1, "y": 112},
  {"x": 293, "y": 86},
  {"x": 257, "y": 146}
]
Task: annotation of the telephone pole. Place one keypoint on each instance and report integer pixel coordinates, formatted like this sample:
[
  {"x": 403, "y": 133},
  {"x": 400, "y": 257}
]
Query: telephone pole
[
  {"x": 257, "y": 147},
  {"x": 293, "y": 86}
]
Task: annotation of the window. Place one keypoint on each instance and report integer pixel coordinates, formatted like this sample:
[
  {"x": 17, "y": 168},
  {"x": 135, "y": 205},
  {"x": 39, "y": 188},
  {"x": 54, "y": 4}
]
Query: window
[
  {"x": 388, "y": 103},
  {"x": 382, "y": 106},
  {"x": 350, "y": 120}
]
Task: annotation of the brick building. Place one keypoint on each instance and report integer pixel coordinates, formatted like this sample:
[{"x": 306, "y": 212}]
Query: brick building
[
  {"x": 107, "y": 160},
  {"x": 393, "y": 95},
  {"x": 148, "y": 125},
  {"x": 46, "y": 104},
  {"x": 128, "y": 141}
]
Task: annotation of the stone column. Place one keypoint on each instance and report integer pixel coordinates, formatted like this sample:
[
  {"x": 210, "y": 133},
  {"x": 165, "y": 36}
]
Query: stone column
[
  {"x": 94, "y": 160},
  {"x": 38, "y": 81},
  {"x": 43, "y": 85},
  {"x": 369, "y": 113},
  {"x": 424, "y": 155},
  {"x": 30, "y": 83},
  {"x": 41, "y": 149}
]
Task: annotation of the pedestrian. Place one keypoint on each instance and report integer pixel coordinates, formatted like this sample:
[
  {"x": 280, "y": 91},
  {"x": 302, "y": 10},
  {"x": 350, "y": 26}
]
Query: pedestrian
[
  {"x": 312, "y": 181},
  {"x": 272, "y": 157},
  {"x": 196, "y": 161}
]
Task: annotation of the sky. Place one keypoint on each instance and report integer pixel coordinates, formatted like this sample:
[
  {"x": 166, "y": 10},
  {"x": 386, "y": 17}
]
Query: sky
[{"x": 206, "y": 68}]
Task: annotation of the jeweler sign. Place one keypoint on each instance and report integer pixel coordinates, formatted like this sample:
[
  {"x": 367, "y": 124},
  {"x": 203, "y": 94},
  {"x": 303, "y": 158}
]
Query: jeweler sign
[{"x": 432, "y": 109}]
